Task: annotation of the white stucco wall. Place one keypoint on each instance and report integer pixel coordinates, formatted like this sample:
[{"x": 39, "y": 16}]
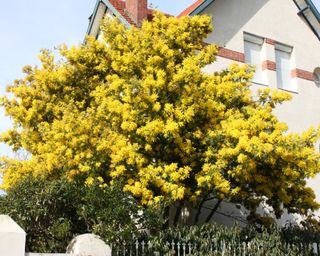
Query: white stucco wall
[
  {"x": 277, "y": 20},
  {"x": 48, "y": 254}
]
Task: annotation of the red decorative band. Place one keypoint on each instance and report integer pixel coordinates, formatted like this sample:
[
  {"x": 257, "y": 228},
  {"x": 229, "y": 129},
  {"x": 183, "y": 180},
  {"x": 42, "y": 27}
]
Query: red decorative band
[
  {"x": 267, "y": 64},
  {"x": 303, "y": 74},
  {"x": 269, "y": 41},
  {"x": 270, "y": 65},
  {"x": 230, "y": 54}
]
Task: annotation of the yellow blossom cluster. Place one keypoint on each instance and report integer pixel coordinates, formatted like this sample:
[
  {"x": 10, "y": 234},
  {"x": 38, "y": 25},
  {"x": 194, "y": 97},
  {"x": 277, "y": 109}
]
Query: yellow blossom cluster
[{"x": 137, "y": 107}]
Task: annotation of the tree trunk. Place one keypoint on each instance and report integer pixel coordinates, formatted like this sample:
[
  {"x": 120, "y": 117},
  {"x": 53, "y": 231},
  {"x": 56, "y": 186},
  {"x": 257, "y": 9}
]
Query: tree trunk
[
  {"x": 213, "y": 210},
  {"x": 178, "y": 213},
  {"x": 196, "y": 219},
  {"x": 166, "y": 216}
]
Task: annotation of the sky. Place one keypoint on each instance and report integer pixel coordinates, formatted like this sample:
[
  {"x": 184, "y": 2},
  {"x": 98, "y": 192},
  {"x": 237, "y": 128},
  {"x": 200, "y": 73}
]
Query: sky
[
  {"x": 317, "y": 4},
  {"x": 28, "y": 26}
]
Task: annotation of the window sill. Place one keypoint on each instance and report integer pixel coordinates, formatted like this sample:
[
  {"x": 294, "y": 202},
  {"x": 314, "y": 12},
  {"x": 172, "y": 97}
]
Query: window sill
[
  {"x": 262, "y": 84},
  {"x": 282, "y": 89},
  {"x": 287, "y": 90}
]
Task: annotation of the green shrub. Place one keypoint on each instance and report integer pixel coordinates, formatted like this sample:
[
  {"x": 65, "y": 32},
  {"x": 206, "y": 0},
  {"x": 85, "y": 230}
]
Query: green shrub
[
  {"x": 46, "y": 210},
  {"x": 53, "y": 212},
  {"x": 307, "y": 232},
  {"x": 212, "y": 239},
  {"x": 115, "y": 215}
]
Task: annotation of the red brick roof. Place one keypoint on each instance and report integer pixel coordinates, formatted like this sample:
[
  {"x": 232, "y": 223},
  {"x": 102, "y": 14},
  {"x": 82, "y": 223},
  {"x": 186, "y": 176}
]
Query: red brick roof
[{"x": 191, "y": 8}]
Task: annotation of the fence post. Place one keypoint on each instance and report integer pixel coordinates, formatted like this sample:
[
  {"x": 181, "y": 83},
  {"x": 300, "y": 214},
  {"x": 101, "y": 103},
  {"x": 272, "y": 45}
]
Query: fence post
[{"x": 12, "y": 237}]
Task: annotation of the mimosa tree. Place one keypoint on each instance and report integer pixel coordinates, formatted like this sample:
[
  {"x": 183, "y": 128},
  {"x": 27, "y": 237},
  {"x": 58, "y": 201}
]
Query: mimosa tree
[{"x": 136, "y": 106}]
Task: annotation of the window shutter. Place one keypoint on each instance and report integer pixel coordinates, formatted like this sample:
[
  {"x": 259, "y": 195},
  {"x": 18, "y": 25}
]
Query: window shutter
[
  {"x": 283, "y": 56},
  {"x": 253, "y": 57}
]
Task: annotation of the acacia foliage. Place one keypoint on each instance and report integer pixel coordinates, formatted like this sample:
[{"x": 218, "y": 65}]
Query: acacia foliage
[{"x": 136, "y": 105}]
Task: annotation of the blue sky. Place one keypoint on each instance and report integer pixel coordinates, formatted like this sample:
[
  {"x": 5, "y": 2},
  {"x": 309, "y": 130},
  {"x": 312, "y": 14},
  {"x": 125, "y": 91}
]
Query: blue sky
[
  {"x": 317, "y": 4},
  {"x": 28, "y": 26}
]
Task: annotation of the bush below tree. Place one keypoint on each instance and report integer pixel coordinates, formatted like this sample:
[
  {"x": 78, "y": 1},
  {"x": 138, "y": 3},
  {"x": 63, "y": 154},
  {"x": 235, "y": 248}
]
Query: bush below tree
[{"x": 53, "y": 212}]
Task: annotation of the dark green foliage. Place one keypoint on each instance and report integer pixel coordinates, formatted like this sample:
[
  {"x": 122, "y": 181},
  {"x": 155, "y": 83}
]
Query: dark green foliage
[
  {"x": 115, "y": 215},
  {"x": 213, "y": 240},
  {"x": 47, "y": 211},
  {"x": 53, "y": 212},
  {"x": 307, "y": 232}
]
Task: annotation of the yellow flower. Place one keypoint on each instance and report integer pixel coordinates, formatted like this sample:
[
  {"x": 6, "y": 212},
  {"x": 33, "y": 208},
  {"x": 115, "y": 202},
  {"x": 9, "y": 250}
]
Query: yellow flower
[{"x": 89, "y": 181}]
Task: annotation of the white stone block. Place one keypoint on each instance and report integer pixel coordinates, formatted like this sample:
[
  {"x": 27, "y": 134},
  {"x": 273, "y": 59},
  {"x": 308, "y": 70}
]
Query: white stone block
[
  {"x": 12, "y": 237},
  {"x": 88, "y": 244}
]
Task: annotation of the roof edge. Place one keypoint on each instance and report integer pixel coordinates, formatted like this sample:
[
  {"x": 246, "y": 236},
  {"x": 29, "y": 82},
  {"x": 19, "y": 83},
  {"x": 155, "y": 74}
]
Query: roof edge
[
  {"x": 116, "y": 13},
  {"x": 314, "y": 9},
  {"x": 196, "y": 8},
  {"x": 120, "y": 14},
  {"x": 93, "y": 16},
  {"x": 113, "y": 10}
]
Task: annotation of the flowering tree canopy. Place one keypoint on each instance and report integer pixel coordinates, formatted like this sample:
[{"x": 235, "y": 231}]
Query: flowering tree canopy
[{"x": 136, "y": 106}]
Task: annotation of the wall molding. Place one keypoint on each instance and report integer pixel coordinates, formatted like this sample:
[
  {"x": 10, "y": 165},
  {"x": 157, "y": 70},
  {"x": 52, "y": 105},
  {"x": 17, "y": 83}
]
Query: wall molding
[
  {"x": 303, "y": 74},
  {"x": 266, "y": 65},
  {"x": 269, "y": 41},
  {"x": 269, "y": 65},
  {"x": 230, "y": 54}
]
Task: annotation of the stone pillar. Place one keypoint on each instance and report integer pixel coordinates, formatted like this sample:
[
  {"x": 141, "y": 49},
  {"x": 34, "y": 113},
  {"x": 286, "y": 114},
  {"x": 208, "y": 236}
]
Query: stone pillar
[
  {"x": 12, "y": 237},
  {"x": 88, "y": 244}
]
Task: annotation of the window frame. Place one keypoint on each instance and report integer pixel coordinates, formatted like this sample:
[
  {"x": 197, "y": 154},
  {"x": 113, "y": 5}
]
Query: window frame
[
  {"x": 316, "y": 76},
  {"x": 256, "y": 41},
  {"x": 283, "y": 53}
]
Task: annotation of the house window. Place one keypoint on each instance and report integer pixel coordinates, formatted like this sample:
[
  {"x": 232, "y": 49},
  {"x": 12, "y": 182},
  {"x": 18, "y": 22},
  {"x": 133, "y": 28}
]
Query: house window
[
  {"x": 316, "y": 75},
  {"x": 252, "y": 51},
  {"x": 283, "y": 65}
]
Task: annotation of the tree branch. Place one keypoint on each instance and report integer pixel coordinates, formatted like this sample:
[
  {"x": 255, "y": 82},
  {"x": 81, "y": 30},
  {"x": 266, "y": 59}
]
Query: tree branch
[
  {"x": 196, "y": 219},
  {"x": 166, "y": 216},
  {"x": 213, "y": 210},
  {"x": 177, "y": 215}
]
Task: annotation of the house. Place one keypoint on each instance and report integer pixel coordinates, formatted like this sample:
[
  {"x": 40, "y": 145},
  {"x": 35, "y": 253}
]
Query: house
[
  {"x": 130, "y": 12},
  {"x": 280, "y": 37}
]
